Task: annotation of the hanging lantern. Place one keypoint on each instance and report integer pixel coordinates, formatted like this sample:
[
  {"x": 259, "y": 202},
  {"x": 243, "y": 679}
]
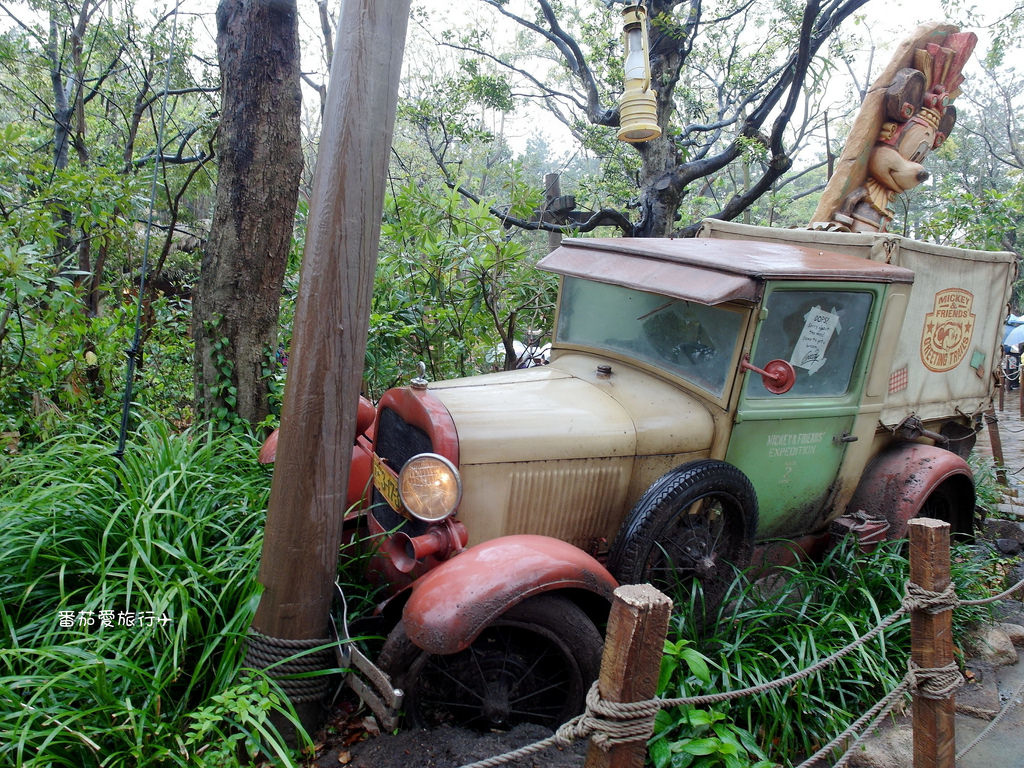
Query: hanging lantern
[{"x": 638, "y": 110}]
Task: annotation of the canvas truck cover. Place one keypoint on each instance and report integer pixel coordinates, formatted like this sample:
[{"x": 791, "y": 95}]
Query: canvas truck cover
[{"x": 949, "y": 345}]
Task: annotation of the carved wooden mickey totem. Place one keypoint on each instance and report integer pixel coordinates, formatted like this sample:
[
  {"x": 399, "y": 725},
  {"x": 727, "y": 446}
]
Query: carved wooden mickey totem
[{"x": 907, "y": 113}]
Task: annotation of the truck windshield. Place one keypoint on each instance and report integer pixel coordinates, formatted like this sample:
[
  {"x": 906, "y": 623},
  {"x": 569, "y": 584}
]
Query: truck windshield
[{"x": 693, "y": 341}]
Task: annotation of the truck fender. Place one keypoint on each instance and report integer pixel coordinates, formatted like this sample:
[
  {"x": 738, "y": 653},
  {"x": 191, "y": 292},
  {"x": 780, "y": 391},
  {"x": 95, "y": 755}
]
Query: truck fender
[
  {"x": 913, "y": 479},
  {"x": 454, "y": 602},
  {"x": 365, "y": 415}
]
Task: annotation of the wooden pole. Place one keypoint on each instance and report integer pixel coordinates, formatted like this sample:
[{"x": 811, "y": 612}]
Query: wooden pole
[
  {"x": 318, "y": 420},
  {"x": 931, "y": 644},
  {"x": 631, "y": 663},
  {"x": 997, "y": 445}
]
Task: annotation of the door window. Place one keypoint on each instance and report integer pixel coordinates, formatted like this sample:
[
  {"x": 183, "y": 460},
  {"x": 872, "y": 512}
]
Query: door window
[{"x": 819, "y": 332}]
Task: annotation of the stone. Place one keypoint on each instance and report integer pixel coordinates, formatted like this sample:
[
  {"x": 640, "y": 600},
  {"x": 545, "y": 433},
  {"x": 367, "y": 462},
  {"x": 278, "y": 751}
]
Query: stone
[
  {"x": 990, "y": 645},
  {"x": 980, "y": 696},
  {"x": 1014, "y": 576},
  {"x": 891, "y": 746},
  {"x": 1013, "y": 510},
  {"x": 1004, "y": 529},
  {"x": 1013, "y": 631},
  {"x": 1008, "y": 546}
]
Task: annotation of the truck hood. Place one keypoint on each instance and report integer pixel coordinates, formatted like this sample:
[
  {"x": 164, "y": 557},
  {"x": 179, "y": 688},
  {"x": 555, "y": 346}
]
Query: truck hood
[{"x": 552, "y": 413}]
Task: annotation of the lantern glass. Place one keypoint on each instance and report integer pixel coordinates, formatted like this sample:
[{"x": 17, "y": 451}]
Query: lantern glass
[{"x": 636, "y": 64}]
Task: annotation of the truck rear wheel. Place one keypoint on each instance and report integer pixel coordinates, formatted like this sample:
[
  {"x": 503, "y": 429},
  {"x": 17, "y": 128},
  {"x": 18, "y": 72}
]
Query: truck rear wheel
[
  {"x": 696, "y": 522},
  {"x": 533, "y": 664}
]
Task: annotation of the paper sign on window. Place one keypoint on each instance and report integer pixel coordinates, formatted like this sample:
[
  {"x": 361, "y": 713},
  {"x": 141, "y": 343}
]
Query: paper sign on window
[{"x": 809, "y": 352}]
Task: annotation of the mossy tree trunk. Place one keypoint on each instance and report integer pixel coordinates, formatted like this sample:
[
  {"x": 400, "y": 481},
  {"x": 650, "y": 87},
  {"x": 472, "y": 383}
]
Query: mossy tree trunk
[{"x": 238, "y": 297}]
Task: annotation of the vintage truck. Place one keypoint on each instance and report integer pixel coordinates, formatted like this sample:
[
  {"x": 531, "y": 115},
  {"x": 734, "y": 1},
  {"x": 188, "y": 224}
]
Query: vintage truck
[{"x": 705, "y": 397}]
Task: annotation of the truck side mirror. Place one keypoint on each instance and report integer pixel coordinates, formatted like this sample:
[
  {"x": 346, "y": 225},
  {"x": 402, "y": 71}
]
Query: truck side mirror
[{"x": 777, "y": 376}]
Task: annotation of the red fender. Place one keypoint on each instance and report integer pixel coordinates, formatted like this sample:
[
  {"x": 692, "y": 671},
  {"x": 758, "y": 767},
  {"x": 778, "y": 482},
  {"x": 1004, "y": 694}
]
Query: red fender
[
  {"x": 451, "y": 605},
  {"x": 362, "y": 453},
  {"x": 897, "y": 482},
  {"x": 365, "y": 414}
]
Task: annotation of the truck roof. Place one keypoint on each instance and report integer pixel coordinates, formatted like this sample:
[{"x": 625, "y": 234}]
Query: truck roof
[{"x": 709, "y": 271}]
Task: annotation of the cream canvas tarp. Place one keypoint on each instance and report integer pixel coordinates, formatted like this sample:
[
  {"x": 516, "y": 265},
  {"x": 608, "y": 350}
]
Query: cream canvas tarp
[{"x": 950, "y": 343}]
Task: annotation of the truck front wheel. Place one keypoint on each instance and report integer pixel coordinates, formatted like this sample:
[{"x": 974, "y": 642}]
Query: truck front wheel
[
  {"x": 533, "y": 664},
  {"x": 696, "y": 522}
]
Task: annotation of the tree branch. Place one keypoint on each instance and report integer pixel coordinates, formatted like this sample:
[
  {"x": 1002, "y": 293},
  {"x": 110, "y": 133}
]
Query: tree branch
[
  {"x": 603, "y": 218},
  {"x": 573, "y": 57}
]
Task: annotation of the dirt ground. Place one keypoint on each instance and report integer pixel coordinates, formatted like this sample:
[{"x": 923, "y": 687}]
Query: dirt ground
[{"x": 446, "y": 747}]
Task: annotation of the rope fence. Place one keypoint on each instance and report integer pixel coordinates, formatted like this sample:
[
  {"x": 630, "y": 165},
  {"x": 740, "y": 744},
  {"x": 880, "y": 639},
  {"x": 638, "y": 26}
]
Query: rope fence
[{"x": 611, "y": 724}]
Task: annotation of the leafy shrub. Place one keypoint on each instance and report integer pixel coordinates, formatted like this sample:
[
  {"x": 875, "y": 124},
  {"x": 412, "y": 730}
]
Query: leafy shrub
[
  {"x": 450, "y": 284},
  {"x": 767, "y": 631},
  {"x": 689, "y": 737}
]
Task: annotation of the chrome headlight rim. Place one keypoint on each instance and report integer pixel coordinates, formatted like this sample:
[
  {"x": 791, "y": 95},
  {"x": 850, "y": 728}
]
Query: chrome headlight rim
[{"x": 413, "y": 508}]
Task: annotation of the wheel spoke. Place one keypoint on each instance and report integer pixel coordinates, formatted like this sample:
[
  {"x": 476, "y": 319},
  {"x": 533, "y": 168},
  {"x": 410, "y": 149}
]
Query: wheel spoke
[
  {"x": 562, "y": 685},
  {"x": 532, "y": 665}
]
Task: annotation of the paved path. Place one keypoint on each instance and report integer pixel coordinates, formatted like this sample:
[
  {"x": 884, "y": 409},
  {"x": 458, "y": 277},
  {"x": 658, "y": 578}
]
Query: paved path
[
  {"x": 1003, "y": 747},
  {"x": 1011, "y": 435}
]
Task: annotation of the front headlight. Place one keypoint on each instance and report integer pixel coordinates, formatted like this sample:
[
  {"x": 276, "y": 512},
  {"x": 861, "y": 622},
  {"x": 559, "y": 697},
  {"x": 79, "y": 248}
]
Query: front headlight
[{"x": 429, "y": 487}]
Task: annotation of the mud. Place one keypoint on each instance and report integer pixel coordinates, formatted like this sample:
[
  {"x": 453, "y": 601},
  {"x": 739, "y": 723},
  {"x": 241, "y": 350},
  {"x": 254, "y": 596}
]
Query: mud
[{"x": 448, "y": 747}]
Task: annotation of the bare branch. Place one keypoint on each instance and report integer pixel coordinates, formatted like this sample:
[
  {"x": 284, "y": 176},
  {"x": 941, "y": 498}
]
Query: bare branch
[
  {"x": 573, "y": 57},
  {"x": 606, "y": 217}
]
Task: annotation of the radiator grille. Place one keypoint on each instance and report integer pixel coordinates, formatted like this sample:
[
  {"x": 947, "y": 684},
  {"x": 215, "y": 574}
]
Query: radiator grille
[
  {"x": 579, "y": 504},
  {"x": 397, "y": 441}
]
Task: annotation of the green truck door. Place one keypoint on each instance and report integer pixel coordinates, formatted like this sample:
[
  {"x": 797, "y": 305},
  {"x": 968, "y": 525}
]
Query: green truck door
[{"x": 791, "y": 445}]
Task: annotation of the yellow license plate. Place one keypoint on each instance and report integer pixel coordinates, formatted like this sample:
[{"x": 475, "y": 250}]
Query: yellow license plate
[{"x": 386, "y": 481}]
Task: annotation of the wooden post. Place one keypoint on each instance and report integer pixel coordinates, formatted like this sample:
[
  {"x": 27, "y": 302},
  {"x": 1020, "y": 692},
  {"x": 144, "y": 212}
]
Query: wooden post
[
  {"x": 318, "y": 420},
  {"x": 931, "y": 644},
  {"x": 997, "y": 445},
  {"x": 631, "y": 663}
]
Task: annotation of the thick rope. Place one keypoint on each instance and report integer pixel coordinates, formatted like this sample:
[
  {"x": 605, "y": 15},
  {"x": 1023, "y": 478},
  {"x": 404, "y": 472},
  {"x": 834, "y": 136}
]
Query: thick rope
[
  {"x": 874, "y": 715},
  {"x": 609, "y": 723},
  {"x": 935, "y": 683},
  {"x": 283, "y": 659},
  {"x": 1010, "y": 704},
  {"x": 796, "y": 677},
  {"x": 918, "y": 598},
  {"x": 1001, "y": 596}
]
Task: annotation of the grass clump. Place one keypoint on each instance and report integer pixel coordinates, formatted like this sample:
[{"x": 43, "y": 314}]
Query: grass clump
[
  {"x": 126, "y": 589},
  {"x": 766, "y": 632}
]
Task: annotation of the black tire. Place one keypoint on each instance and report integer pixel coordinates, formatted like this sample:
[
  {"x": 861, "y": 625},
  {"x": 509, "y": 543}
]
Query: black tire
[
  {"x": 952, "y": 502},
  {"x": 940, "y": 505},
  {"x": 533, "y": 664},
  {"x": 696, "y": 522}
]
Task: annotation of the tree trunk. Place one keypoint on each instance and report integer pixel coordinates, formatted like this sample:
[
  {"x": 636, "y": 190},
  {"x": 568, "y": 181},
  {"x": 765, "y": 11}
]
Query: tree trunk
[{"x": 238, "y": 296}]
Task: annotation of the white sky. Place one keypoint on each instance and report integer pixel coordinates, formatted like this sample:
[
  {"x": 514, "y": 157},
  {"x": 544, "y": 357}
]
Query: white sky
[{"x": 887, "y": 23}]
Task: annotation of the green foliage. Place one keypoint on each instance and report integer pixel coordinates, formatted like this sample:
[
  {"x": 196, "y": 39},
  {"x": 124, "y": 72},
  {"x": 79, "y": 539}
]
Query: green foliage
[
  {"x": 63, "y": 329},
  {"x": 163, "y": 384},
  {"x": 224, "y": 391},
  {"x": 984, "y": 220},
  {"x": 126, "y": 588},
  {"x": 54, "y": 359},
  {"x": 688, "y": 736},
  {"x": 987, "y": 492},
  {"x": 71, "y": 241},
  {"x": 451, "y": 284},
  {"x": 766, "y": 631}
]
